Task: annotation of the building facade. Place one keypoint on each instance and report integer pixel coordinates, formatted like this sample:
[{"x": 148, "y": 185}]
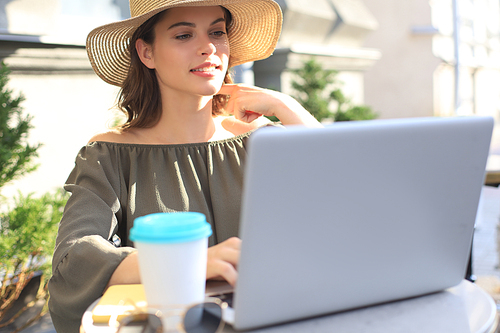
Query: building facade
[
  {"x": 439, "y": 58},
  {"x": 399, "y": 57}
]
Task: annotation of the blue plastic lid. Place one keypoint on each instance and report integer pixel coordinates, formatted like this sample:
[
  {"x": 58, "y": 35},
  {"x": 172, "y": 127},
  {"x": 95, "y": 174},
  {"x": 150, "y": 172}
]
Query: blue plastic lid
[{"x": 170, "y": 228}]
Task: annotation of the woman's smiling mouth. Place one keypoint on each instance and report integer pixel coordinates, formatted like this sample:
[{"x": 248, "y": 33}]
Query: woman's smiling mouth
[{"x": 207, "y": 70}]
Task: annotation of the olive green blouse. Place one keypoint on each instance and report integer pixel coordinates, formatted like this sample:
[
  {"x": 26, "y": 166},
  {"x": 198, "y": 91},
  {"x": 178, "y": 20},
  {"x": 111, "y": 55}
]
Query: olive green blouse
[{"x": 114, "y": 183}]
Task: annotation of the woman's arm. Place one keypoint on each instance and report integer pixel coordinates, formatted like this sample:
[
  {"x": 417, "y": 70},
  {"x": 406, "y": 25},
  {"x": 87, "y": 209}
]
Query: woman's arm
[
  {"x": 127, "y": 271},
  {"x": 247, "y": 103},
  {"x": 221, "y": 264}
]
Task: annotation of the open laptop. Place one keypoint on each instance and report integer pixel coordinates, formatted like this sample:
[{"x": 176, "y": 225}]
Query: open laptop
[{"x": 356, "y": 214}]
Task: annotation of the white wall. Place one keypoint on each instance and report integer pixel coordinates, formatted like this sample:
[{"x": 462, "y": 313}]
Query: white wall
[
  {"x": 68, "y": 102},
  {"x": 67, "y": 111}
]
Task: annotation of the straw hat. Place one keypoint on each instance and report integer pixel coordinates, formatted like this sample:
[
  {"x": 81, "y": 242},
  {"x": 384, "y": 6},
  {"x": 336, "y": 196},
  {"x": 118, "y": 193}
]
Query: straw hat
[{"x": 253, "y": 34}]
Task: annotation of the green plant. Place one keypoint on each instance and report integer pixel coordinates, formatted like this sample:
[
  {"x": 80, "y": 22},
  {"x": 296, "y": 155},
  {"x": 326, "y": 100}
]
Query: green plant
[
  {"x": 27, "y": 239},
  {"x": 16, "y": 154},
  {"x": 28, "y": 226},
  {"x": 318, "y": 89}
]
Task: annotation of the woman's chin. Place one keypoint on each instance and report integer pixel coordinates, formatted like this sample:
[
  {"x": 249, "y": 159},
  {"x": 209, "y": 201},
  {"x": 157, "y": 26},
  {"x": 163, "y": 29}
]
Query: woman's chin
[{"x": 212, "y": 91}]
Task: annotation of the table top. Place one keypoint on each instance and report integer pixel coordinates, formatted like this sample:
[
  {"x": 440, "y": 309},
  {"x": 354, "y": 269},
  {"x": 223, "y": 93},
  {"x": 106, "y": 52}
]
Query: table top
[{"x": 463, "y": 308}]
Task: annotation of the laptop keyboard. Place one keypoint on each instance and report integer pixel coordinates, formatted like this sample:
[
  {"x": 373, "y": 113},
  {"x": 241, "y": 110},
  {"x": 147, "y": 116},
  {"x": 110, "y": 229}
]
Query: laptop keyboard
[{"x": 228, "y": 298}]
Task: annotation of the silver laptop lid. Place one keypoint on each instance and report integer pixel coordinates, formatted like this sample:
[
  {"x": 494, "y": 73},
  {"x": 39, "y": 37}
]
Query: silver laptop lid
[{"x": 356, "y": 214}]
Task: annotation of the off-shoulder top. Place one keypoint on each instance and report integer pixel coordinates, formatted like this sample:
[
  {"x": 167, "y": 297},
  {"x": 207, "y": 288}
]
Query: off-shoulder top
[{"x": 112, "y": 184}]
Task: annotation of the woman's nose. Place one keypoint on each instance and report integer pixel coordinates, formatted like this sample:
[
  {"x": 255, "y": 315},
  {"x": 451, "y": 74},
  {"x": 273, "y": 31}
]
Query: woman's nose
[{"x": 207, "y": 47}]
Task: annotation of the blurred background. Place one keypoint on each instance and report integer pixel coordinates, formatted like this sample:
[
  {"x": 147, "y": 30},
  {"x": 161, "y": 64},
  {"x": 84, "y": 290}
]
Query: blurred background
[{"x": 408, "y": 58}]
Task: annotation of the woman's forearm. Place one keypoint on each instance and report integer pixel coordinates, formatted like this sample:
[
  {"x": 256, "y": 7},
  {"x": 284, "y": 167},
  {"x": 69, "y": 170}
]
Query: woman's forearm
[{"x": 127, "y": 272}]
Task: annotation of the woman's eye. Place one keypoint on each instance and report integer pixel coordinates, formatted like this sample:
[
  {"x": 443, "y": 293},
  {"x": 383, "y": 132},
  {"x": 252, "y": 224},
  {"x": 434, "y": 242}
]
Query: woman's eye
[
  {"x": 218, "y": 33},
  {"x": 183, "y": 36}
]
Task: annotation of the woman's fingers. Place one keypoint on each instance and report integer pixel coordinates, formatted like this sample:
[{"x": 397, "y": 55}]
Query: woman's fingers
[
  {"x": 242, "y": 112},
  {"x": 221, "y": 270},
  {"x": 248, "y": 103},
  {"x": 223, "y": 259}
]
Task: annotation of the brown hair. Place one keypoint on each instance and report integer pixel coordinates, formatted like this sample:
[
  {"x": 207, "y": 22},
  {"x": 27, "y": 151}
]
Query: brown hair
[{"x": 140, "y": 97}]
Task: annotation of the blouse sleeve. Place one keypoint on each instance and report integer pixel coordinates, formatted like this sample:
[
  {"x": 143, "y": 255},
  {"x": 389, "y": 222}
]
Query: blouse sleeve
[{"x": 85, "y": 257}]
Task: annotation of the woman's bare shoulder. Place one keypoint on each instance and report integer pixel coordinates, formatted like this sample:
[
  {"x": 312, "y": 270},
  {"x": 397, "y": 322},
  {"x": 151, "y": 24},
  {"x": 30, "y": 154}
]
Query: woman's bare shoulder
[
  {"x": 115, "y": 136},
  {"x": 238, "y": 127}
]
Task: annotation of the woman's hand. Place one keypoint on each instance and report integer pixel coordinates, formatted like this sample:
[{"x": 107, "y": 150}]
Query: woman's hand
[
  {"x": 223, "y": 259},
  {"x": 221, "y": 264},
  {"x": 247, "y": 103}
]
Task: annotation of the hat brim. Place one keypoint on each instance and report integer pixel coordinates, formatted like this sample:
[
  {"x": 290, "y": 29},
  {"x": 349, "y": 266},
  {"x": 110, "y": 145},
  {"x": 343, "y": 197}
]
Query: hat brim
[{"x": 254, "y": 32}]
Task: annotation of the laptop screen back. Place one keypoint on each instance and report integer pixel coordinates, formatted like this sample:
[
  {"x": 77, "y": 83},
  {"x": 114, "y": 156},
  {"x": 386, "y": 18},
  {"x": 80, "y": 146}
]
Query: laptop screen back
[{"x": 356, "y": 214}]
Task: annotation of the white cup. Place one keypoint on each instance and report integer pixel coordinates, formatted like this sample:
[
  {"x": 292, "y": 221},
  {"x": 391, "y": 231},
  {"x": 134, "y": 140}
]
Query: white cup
[{"x": 172, "y": 253}]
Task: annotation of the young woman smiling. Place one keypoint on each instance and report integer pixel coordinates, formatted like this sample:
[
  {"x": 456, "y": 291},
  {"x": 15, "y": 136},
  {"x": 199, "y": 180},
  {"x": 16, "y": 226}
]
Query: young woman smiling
[{"x": 181, "y": 148}]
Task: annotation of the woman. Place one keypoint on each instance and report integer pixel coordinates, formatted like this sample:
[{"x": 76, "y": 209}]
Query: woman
[{"x": 179, "y": 149}]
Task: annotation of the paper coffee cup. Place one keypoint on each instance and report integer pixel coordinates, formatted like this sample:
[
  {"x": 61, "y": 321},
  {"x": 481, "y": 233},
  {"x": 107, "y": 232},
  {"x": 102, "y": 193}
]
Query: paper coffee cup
[{"x": 172, "y": 253}]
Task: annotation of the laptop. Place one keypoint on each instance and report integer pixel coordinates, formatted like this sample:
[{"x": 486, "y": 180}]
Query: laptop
[{"x": 355, "y": 214}]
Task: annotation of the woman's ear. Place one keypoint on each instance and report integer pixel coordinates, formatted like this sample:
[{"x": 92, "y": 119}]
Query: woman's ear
[{"x": 145, "y": 53}]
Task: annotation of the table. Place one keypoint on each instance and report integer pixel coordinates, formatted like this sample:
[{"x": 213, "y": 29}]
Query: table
[{"x": 463, "y": 308}]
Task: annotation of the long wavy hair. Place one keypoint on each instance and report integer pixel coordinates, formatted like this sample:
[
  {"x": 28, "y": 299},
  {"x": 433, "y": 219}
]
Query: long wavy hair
[{"x": 140, "y": 97}]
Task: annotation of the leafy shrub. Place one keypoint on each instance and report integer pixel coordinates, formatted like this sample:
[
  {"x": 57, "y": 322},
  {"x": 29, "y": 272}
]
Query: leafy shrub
[
  {"x": 318, "y": 89},
  {"x": 16, "y": 154},
  {"x": 27, "y": 239},
  {"x": 28, "y": 232}
]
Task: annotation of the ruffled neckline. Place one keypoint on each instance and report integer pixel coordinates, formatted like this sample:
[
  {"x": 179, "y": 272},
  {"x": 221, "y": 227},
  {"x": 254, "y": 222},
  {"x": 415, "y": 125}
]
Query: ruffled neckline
[{"x": 175, "y": 145}]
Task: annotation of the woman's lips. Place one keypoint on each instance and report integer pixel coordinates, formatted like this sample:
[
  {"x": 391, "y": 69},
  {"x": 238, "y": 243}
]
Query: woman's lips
[{"x": 206, "y": 70}]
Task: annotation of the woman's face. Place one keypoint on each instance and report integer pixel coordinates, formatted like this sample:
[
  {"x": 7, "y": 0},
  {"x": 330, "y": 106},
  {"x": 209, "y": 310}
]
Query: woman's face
[{"x": 190, "y": 53}]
